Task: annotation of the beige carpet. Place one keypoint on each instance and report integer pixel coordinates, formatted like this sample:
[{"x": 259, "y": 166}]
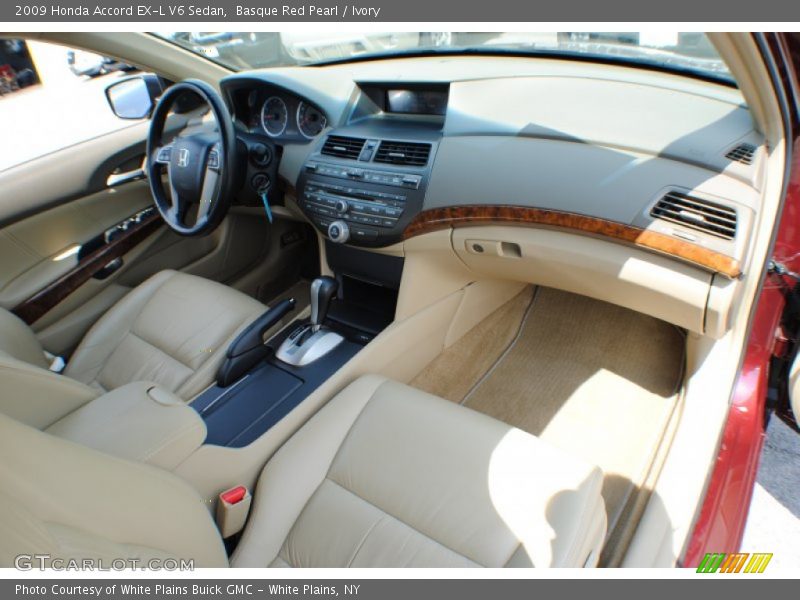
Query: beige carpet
[
  {"x": 593, "y": 378},
  {"x": 458, "y": 369}
]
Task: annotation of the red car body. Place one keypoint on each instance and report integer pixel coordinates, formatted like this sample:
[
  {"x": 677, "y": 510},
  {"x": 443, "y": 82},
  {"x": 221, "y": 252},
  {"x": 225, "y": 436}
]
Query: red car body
[{"x": 720, "y": 525}]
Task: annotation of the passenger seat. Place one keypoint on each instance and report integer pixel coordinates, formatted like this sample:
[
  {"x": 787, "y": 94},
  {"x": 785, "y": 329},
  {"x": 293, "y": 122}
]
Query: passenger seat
[{"x": 383, "y": 476}]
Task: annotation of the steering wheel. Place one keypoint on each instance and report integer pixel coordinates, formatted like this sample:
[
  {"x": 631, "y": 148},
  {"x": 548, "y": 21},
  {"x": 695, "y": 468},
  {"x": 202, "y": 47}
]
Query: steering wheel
[{"x": 201, "y": 167}]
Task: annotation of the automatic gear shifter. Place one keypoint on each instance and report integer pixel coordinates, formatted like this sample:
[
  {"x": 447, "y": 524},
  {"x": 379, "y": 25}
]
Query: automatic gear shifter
[
  {"x": 323, "y": 289},
  {"x": 310, "y": 342}
]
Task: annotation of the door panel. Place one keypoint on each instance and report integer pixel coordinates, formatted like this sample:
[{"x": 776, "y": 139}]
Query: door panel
[
  {"x": 234, "y": 247},
  {"x": 54, "y": 204},
  {"x": 55, "y": 211},
  {"x": 68, "y": 174},
  {"x": 32, "y": 251}
]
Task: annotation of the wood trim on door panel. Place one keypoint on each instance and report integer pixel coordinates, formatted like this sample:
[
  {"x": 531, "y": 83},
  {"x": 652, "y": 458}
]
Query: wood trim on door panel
[
  {"x": 461, "y": 216},
  {"x": 37, "y": 305}
]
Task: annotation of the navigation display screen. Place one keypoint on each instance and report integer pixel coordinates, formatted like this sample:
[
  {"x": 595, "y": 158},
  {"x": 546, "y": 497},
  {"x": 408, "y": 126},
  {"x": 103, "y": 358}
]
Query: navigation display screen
[{"x": 416, "y": 102}]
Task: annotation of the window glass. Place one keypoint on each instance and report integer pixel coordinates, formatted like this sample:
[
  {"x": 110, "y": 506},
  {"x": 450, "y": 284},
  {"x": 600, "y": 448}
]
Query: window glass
[{"x": 52, "y": 97}]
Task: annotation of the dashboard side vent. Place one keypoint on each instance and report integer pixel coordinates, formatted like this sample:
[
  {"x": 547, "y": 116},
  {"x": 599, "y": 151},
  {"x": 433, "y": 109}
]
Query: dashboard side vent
[
  {"x": 403, "y": 153},
  {"x": 743, "y": 153},
  {"x": 343, "y": 147},
  {"x": 698, "y": 214}
]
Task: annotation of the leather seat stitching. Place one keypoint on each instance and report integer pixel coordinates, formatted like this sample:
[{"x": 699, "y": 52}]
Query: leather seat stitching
[
  {"x": 364, "y": 539},
  {"x": 172, "y": 437},
  {"x": 353, "y": 424},
  {"x": 388, "y": 514},
  {"x": 164, "y": 352},
  {"x": 84, "y": 345},
  {"x": 131, "y": 333},
  {"x": 325, "y": 477},
  {"x": 513, "y": 552}
]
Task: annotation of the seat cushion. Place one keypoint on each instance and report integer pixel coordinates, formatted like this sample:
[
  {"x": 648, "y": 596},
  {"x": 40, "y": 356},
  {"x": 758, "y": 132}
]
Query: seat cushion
[
  {"x": 67, "y": 501},
  {"x": 388, "y": 476},
  {"x": 173, "y": 330}
]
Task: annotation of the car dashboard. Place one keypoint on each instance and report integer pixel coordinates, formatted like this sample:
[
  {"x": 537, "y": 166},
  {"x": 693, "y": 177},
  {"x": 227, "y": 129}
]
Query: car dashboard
[{"x": 658, "y": 162}]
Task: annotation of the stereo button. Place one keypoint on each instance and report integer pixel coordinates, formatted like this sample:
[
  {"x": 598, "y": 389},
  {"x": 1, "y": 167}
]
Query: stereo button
[
  {"x": 366, "y": 234},
  {"x": 339, "y": 232},
  {"x": 392, "y": 212},
  {"x": 342, "y": 206}
]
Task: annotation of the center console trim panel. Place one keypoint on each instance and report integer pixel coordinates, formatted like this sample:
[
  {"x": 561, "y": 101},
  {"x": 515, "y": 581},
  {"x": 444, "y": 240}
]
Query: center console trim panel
[
  {"x": 237, "y": 415},
  {"x": 373, "y": 202}
]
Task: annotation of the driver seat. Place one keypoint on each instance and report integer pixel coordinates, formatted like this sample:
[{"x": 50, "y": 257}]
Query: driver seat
[{"x": 173, "y": 330}]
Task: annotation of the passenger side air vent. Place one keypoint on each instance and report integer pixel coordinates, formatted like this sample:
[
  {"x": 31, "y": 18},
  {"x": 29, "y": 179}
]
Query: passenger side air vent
[
  {"x": 743, "y": 153},
  {"x": 343, "y": 147},
  {"x": 403, "y": 153},
  {"x": 698, "y": 214}
]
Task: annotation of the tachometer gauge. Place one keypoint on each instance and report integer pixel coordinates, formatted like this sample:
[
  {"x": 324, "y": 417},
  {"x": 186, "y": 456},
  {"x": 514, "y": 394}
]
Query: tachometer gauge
[
  {"x": 274, "y": 116},
  {"x": 310, "y": 121}
]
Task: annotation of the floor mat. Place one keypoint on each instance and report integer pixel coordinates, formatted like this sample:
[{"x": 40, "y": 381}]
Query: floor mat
[
  {"x": 590, "y": 377},
  {"x": 458, "y": 369}
]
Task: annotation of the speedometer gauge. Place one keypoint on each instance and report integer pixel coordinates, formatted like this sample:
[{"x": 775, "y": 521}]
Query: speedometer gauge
[
  {"x": 274, "y": 116},
  {"x": 310, "y": 121}
]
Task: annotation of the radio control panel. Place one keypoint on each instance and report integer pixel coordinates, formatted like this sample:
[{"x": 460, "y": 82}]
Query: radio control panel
[{"x": 359, "y": 205}]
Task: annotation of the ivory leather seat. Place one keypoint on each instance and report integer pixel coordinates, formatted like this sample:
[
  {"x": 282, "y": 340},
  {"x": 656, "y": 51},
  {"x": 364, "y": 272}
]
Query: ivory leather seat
[
  {"x": 382, "y": 476},
  {"x": 172, "y": 330}
]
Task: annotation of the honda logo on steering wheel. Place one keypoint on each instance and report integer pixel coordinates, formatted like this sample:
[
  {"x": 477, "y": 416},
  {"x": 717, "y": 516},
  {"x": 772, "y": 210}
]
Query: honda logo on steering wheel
[{"x": 183, "y": 157}]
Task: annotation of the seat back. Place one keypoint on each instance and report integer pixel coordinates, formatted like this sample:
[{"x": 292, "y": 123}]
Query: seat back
[
  {"x": 32, "y": 394},
  {"x": 18, "y": 341},
  {"x": 71, "y": 502}
]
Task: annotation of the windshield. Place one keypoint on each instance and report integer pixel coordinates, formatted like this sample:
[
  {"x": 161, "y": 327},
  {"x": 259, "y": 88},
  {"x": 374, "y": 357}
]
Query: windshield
[{"x": 690, "y": 53}]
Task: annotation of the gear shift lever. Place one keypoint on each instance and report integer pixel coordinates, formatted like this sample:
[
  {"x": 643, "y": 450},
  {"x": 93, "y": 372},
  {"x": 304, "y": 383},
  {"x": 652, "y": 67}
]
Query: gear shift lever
[
  {"x": 308, "y": 343},
  {"x": 323, "y": 289}
]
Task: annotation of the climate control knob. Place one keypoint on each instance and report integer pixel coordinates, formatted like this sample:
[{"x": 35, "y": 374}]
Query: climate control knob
[
  {"x": 338, "y": 232},
  {"x": 342, "y": 206}
]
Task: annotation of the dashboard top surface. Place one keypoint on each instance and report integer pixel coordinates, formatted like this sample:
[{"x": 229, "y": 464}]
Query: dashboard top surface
[{"x": 594, "y": 139}]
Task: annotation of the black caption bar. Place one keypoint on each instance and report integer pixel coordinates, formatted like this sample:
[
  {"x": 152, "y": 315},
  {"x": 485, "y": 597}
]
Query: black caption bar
[
  {"x": 281, "y": 11},
  {"x": 393, "y": 589}
]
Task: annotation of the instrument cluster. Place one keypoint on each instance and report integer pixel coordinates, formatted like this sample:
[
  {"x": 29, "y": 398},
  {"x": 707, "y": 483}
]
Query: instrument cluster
[{"x": 282, "y": 116}]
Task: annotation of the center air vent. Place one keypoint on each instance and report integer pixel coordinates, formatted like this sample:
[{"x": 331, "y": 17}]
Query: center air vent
[
  {"x": 343, "y": 147},
  {"x": 698, "y": 214},
  {"x": 403, "y": 153},
  {"x": 743, "y": 153}
]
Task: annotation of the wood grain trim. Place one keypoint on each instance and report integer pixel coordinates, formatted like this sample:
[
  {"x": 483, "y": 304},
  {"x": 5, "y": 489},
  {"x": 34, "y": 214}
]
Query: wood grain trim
[
  {"x": 461, "y": 216},
  {"x": 37, "y": 305}
]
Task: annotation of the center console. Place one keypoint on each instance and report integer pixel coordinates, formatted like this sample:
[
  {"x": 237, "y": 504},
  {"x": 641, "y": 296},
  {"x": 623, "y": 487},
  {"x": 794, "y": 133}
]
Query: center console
[
  {"x": 361, "y": 186},
  {"x": 366, "y": 181},
  {"x": 259, "y": 384}
]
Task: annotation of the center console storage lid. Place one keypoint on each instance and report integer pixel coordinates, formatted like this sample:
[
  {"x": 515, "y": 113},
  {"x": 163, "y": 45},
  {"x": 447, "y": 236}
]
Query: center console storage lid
[{"x": 138, "y": 421}]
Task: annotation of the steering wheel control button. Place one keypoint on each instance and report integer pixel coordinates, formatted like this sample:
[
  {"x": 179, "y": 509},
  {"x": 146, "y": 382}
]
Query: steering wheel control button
[
  {"x": 339, "y": 232},
  {"x": 213, "y": 159},
  {"x": 261, "y": 155},
  {"x": 164, "y": 155}
]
